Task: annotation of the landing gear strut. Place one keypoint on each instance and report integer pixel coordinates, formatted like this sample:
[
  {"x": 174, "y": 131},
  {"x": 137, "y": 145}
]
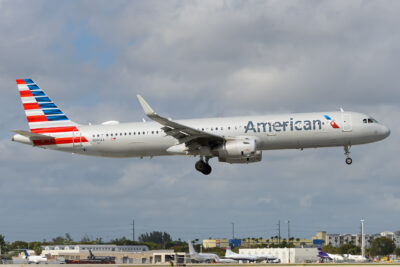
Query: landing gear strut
[
  {"x": 203, "y": 166},
  {"x": 347, "y": 154}
]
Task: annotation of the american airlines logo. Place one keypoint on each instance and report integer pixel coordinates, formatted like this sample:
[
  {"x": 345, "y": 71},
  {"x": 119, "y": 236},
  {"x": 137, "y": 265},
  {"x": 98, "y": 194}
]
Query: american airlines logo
[{"x": 331, "y": 122}]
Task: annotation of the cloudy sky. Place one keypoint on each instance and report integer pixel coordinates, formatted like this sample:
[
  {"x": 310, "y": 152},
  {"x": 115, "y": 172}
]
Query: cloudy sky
[{"x": 193, "y": 59}]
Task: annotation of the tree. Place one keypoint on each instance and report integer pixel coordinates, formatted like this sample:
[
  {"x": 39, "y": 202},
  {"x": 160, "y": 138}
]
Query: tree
[
  {"x": 19, "y": 245},
  {"x": 68, "y": 238},
  {"x": 59, "y": 240},
  {"x": 160, "y": 238},
  {"x": 382, "y": 246},
  {"x": 330, "y": 249},
  {"x": 349, "y": 249},
  {"x": 2, "y": 244}
]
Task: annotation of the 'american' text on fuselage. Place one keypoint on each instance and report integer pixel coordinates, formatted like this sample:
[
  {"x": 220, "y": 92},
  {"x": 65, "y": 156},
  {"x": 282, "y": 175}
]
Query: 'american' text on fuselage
[{"x": 290, "y": 125}]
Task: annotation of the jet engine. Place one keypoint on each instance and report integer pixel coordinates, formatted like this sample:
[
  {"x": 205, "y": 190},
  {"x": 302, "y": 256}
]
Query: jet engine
[{"x": 240, "y": 150}]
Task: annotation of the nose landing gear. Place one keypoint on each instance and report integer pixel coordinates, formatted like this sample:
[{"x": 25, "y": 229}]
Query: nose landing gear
[
  {"x": 203, "y": 166},
  {"x": 347, "y": 154}
]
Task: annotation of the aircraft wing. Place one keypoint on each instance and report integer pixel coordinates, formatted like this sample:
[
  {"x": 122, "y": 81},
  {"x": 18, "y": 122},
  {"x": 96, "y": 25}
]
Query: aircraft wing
[{"x": 192, "y": 138}]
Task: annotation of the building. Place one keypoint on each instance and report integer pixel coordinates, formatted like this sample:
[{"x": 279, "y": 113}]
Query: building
[
  {"x": 395, "y": 236},
  {"x": 93, "y": 248},
  {"x": 122, "y": 254},
  {"x": 296, "y": 255},
  {"x": 337, "y": 240},
  {"x": 253, "y": 242},
  {"x": 215, "y": 243}
]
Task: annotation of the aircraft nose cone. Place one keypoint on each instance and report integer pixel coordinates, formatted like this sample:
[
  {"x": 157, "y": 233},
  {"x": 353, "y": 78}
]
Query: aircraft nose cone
[{"x": 385, "y": 131}]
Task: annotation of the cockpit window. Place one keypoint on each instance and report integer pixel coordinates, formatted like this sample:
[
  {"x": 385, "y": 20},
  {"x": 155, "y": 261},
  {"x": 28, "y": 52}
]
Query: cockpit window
[{"x": 370, "y": 120}]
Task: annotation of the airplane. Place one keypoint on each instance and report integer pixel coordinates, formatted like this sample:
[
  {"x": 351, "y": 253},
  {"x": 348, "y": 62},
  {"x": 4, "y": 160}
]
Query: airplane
[
  {"x": 206, "y": 257},
  {"x": 357, "y": 258},
  {"x": 229, "y": 254},
  {"x": 34, "y": 259},
  {"x": 231, "y": 139},
  {"x": 329, "y": 257}
]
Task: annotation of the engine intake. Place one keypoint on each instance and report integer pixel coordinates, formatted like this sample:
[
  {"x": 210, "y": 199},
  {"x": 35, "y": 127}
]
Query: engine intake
[{"x": 243, "y": 150}]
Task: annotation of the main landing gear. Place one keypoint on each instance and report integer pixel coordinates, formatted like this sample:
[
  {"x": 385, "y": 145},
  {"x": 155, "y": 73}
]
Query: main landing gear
[
  {"x": 203, "y": 166},
  {"x": 347, "y": 154}
]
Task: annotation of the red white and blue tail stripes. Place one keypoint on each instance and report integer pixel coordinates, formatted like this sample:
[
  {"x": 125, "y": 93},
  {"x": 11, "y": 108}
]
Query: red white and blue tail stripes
[{"x": 44, "y": 117}]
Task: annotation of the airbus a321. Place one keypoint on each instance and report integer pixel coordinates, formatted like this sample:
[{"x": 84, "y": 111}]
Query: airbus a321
[{"x": 230, "y": 139}]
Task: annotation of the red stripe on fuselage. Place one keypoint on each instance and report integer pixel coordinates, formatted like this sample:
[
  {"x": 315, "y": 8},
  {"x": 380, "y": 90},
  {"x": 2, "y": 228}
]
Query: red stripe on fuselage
[
  {"x": 55, "y": 130},
  {"x": 31, "y": 106},
  {"x": 36, "y": 118},
  {"x": 60, "y": 141},
  {"x": 20, "y": 81},
  {"x": 25, "y": 93}
]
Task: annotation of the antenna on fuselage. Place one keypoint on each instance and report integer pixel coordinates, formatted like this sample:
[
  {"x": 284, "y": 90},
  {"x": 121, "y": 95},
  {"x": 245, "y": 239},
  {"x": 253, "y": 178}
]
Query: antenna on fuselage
[
  {"x": 341, "y": 110},
  {"x": 143, "y": 120}
]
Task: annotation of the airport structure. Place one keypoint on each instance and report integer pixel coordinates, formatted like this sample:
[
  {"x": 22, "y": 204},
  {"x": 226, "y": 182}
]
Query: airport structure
[
  {"x": 122, "y": 254},
  {"x": 286, "y": 255}
]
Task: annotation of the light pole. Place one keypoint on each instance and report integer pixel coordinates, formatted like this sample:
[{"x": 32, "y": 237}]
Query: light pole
[
  {"x": 288, "y": 239},
  {"x": 233, "y": 231},
  {"x": 362, "y": 238}
]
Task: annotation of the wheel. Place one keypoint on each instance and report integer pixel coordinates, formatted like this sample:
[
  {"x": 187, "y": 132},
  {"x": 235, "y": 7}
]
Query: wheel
[
  {"x": 207, "y": 169},
  {"x": 200, "y": 165},
  {"x": 349, "y": 161}
]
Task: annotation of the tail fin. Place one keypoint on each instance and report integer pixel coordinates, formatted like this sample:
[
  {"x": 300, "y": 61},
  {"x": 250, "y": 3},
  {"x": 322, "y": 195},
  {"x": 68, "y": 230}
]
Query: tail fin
[
  {"x": 191, "y": 248},
  {"x": 42, "y": 114},
  {"x": 26, "y": 253},
  {"x": 322, "y": 253},
  {"x": 229, "y": 252}
]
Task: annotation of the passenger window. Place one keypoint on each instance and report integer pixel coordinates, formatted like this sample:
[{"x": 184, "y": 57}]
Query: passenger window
[
  {"x": 98, "y": 135},
  {"x": 106, "y": 134},
  {"x": 138, "y": 133},
  {"x": 364, "y": 120},
  {"x": 112, "y": 135},
  {"x": 94, "y": 135},
  {"x": 152, "y": 132},
  {"x": 157, "y": 132},
  {"x": 120, "y": 134},
  {"x": 144, "y": 132},
  {"x": 125, "y": 133},
  {"x": 216, "y": 128},
  {"x": 229, "y": 127},
  {"x": 202, "y": 129},
  {"x": 222, "y": 129},
  {"x": 130, "y": 133},
  {"x": 134, "y": 133}
]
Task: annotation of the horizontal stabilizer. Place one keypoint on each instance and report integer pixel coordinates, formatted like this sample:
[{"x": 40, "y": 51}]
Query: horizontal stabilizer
[{"x": 33, "y": 136}]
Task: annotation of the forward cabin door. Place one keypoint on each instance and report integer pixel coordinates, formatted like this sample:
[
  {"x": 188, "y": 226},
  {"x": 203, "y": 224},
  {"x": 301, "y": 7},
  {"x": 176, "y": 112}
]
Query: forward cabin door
[{"x": 347, "y": 124}]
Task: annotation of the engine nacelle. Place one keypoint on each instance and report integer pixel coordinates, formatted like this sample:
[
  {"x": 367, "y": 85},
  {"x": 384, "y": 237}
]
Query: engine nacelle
[{"x": 243, "y": 150}]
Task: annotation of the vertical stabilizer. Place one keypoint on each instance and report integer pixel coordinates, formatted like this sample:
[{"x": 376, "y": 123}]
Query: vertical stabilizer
[
  {"x": 191, "y": 248},
  {"x": 229, "y": 252},
  {"x": 45, "y": 118},
  {"x": 40, "y": 110}
]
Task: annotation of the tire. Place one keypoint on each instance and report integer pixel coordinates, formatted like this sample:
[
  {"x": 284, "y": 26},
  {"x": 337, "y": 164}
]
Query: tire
[
  {"x": 199, "y": 166},
  {"x": 349, "y": 161},
  {"x": 207, "y": 169}
]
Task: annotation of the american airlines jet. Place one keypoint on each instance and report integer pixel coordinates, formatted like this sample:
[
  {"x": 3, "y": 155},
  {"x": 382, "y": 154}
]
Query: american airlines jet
[{"x": 231, "y": 140}]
